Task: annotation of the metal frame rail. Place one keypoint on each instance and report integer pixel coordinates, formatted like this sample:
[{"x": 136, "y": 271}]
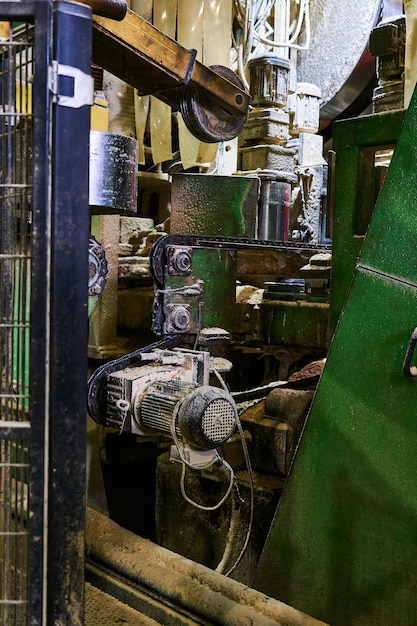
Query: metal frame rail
[{"x": 43, "y": 320}]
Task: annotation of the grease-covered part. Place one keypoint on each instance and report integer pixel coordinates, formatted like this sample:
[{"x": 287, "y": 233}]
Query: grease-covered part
[
  {"x": 97, "y": 267},
  {"x": 178, "y": 583},
  {"x": 113, "y": 9},
  {"x": 208, "y": 121},
  {"x": 113, "y": 173}
]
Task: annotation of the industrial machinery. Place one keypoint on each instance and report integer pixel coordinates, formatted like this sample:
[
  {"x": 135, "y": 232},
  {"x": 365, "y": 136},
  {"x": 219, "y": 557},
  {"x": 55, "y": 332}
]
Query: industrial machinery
[
  {"x": 169, "y": 396},
  {"x": 213, "y": 101},
  {"x": 218, "y": 320},
  {"x": 277, "y": 228},
  {"x": 353, "y": 561}
]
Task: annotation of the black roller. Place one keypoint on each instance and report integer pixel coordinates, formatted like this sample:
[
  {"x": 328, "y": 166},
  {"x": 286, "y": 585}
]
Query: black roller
[{"x": 208, "y": 121}]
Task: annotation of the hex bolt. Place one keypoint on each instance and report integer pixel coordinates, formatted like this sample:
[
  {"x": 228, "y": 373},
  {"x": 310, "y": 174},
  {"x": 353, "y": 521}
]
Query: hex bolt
[
  {"x": 181, "y": 261},
  {"x": 180, "y": 318}
]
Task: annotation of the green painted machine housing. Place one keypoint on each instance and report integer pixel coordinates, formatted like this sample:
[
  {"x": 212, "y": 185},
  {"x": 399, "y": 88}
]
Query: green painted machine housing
[
  {"x": 208, "y": 291},
  {"x": 343, "y": 544},
  {"x": 226, "y": 206},
  {"x": 356, "y": 186}
]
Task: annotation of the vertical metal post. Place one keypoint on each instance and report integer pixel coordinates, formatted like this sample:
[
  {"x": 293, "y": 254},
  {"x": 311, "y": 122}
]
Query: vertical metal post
[
  {"x": 40, "y": 316},
  {"x": 44, "y": 217},
  {"x": 69, "y": 319}
]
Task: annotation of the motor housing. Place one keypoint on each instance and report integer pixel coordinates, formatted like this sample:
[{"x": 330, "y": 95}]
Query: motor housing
[
  {"x": 170, "y": 397},
  {"x": 204, "y": 416}
]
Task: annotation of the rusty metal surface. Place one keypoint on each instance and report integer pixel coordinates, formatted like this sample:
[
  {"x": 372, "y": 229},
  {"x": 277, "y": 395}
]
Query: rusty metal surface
[
  {"x": 275, "y": 427},
  {"x": 139, "y": 54},
  {"x": 145, "y": 58},
  {"x": 208, "y": 120}
]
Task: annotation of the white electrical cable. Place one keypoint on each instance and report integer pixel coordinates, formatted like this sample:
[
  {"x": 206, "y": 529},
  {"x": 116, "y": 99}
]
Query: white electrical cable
[
  {"x": 202, "y": 507},
  {"x": 232, "y": 481},
  {"x": 304, "y": 14},
  {"x": 239, "y": 59},
  {"x": 178, "y": 444},
  {"x": 185, "y": 463},
  {"x": 252, "y": 17},
  {"x": 251, "y": 482}
]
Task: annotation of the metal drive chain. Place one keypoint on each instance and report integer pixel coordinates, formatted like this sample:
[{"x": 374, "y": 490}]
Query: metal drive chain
[{"x": 157, "y": 258}]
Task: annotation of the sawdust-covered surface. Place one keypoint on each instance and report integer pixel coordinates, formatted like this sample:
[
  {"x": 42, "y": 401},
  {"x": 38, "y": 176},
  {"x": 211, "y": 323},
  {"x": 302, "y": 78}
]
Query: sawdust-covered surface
[{"x": 102, "y": 609}]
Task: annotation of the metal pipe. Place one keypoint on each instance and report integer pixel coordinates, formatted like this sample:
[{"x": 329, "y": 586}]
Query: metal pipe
[
  {"x": 193, "y": 589},
  {"x": 113, "y": 9}
]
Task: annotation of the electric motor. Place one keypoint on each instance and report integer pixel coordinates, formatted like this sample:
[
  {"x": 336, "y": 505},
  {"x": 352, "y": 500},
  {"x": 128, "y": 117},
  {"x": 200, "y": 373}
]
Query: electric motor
[
  {"x": 204, "y": 416},
  {"x": 170, "y": 397}
]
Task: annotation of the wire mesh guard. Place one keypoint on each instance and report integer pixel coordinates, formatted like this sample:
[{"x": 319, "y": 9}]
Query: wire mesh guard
[{"x": 16, "y": 72}]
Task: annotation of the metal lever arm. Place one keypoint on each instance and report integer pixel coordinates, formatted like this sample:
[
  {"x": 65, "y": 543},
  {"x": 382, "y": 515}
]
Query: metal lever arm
[{"x": 142, "y": 56}]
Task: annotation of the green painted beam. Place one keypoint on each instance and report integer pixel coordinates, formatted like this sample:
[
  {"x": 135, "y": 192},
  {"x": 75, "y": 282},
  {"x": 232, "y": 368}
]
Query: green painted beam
[
  {"x": 356, "y": 142},
  {"x": 343, "y": 544}
]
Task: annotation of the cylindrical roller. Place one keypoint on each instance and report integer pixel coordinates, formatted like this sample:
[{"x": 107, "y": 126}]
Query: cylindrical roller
[{"x": 113, "y": 173}]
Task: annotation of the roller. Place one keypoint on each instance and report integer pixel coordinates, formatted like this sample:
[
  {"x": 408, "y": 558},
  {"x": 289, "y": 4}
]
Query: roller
[{"x": 113, "y": 9}]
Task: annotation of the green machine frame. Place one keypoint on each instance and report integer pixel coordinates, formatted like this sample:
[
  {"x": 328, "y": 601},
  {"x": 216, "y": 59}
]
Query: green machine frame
[
  {"x": 357, "y": 143},
  {"x": 343, "y": 544}
]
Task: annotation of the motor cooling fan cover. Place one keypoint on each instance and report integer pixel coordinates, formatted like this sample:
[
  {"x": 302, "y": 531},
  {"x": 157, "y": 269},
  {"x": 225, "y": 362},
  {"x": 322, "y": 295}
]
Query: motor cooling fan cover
[{"x": 207, "y": 417}]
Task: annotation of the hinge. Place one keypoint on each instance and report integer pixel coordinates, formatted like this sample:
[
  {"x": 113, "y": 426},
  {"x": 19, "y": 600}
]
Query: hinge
[{"x": 83, "y": 86}]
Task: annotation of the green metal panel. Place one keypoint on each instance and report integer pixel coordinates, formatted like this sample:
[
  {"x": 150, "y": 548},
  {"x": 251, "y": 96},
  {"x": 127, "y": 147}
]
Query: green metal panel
[
  {"x": 343, "y": 545},
  {"x": 301, "y": 323},
  {"x": 356, "y": 142},
  {"x": 214, "y": 205},
  {"x": 216, "y": 269}
]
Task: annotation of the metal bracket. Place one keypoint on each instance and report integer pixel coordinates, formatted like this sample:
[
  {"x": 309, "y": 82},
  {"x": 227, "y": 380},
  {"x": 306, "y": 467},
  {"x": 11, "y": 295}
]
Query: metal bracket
[
  {"x": 83, "y": 86},
  {"x": 410, "y": 370}
]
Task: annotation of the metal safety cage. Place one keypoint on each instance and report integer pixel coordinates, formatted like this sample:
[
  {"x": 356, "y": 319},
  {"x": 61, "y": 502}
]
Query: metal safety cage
[{"x": 43, "y": 330}]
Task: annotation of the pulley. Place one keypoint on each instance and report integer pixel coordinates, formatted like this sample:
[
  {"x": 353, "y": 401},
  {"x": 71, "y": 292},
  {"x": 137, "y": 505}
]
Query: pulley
[{"x": 208, "y": 121}]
